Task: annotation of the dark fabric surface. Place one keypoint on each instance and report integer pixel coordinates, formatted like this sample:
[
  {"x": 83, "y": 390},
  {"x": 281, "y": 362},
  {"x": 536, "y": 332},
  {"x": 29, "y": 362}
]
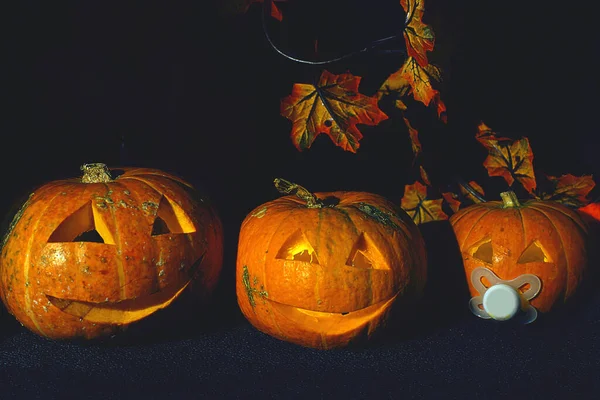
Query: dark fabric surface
[
  {"x": 442, "y": 351},
  {"x": 463, "y": 358}
]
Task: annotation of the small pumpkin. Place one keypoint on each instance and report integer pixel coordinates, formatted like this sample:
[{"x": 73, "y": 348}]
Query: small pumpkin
[
  {"x": 323, "y": 270},
  {"x": 510, "y": 238},
  {"x": 86, "y": 256}
]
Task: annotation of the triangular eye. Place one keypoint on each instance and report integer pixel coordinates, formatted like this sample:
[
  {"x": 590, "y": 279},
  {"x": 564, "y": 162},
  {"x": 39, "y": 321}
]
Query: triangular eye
[
  {"x": 170, "y": 218},
  {"x": 297, "y": 248},
  {"x": 365, "y": 255},
  {"x": 84, "y": 225},
  {"x": 534, "y": 253},
  {"x": 483, "y": 251}
]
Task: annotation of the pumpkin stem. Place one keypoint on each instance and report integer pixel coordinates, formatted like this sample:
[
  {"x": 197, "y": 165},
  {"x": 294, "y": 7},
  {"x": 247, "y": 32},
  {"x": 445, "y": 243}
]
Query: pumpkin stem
[
  {"x": 509, "y": 200},
  {"x": 287, "y": 187},
  {"x": 95, "y": 173}
]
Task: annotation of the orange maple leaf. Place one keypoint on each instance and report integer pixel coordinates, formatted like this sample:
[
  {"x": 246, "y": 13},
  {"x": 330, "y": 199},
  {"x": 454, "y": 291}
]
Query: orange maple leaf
[
  {"x": 569, "y": 189},
  {"x": 591, "y": 213},
  {"x": 414, "y": 138},
  {"x": 511, "y": 159},
  {"x": 419, "y": 37},
  {"x": 413, "y": 79},
  {"x": 452, "y": 200},
  {"x": 485, "y": 134},
  {"x": 424, "y": 176},
  {"x": 275, "y": 12},
  {"x": 418, "y": 207},
  {"x": 333, "y": 107}
]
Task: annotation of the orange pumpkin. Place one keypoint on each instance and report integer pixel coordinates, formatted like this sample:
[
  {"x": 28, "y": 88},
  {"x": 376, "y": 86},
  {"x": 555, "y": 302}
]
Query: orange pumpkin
[
  {"x": 323, "y": 270},
  {"x": 511, "y": 239},
  {"x": 86, "y": 256}
]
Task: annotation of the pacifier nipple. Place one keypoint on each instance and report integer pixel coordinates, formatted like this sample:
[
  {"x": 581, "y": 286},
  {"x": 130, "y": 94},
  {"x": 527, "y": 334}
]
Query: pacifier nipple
[{"x": 502, "y": 301}]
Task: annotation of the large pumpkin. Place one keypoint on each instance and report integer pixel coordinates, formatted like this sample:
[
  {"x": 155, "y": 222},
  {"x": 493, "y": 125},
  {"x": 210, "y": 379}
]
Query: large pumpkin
[
  {"x": 516, "y": 241},
  {"x": 85, "y": 256},
  {"x": 323, "y": 270}
]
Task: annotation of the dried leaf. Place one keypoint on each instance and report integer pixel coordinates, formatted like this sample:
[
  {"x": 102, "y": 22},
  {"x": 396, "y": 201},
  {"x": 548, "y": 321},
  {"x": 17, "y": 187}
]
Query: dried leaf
[
  {"x": 591, "y": 212},
  {"x": 485, "y": 134},
  {"x": 452, "y": 200},
  {"x": 421, "y": 209},
  {"x": 440, "y": 108},
  {"x": 414, "y": 138},
  {"x": 275, "y": 12},
  {"x": 424, "y": 176},
  {"x": 511, "y": 160},
  {"x": 413, "y": 79},
  {"x": 569, "y": 189},
  {"x": 400, "y": 105},
  {"x": 333, "y": 107},
  {"x": 419, "y": 37}
]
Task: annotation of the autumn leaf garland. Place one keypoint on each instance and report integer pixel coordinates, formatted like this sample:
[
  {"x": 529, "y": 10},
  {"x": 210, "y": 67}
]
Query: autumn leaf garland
[
  {"x": 329, "y": 107},
  {"x": 507, "y": 158}
]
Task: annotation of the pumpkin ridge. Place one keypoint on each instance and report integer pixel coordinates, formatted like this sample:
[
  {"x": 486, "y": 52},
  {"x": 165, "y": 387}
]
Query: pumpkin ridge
[
  {"x": 30, "y": 242},
  {"x": 151, "y": 185},
  {"x": 119, "y": 257},
  {"x": 353, "y": 224},
  {"x": 134, "y": 194},
  {"x": 474, "y": 224},
  {"x": 578, "y": 223},
  {"x": 264, "y": 277},
  {"x": 145, "y": 171},
  {"x": 562, "y": 243}
]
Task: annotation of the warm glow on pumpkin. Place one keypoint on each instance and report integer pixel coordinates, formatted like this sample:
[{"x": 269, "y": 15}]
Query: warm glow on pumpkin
[
  {"x": 322, "y": 273},
  {"x": 85, "y": 256}
]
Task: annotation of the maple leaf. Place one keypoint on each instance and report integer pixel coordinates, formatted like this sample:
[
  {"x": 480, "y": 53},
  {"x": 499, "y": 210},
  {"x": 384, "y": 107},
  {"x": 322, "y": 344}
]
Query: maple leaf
[
  {"x": 275, "y": 12},
  {"x": 333, "y": 107},
  {"x": 569, "y": 189},
  {"x": 452, "y": 200},
  {"x": 419, "y": 36},
  {"x": 485, "y": 134},
  {"x": 414, "y": 138},
  {"x": 511, "y": 159},
  {"x": 413, "y": 79},
  {"x": 418, "y": 207},
  {"x": 424, "y": 176},
  {"x": 591, "y": 213}
]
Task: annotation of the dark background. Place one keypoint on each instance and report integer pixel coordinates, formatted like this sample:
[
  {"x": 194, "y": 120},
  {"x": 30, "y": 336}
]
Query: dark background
[{"x": 194, "y": 89}]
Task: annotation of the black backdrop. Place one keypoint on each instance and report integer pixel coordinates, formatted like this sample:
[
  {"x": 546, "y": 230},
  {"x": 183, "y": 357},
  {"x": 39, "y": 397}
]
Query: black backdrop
[{"x": 195, "y": 90}]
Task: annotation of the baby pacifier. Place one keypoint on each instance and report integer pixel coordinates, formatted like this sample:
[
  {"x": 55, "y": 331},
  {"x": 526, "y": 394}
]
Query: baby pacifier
[{"x": 502, "y": 300}]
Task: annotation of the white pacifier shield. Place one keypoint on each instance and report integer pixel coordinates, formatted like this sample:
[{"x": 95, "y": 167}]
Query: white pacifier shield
[{"x": 501, "y": 302}]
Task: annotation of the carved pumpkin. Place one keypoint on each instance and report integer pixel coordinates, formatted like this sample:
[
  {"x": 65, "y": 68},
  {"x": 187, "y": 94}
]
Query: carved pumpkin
[
  {"x": 86, "y": 256},
  {"x": 540, "y": 238},
  {"x": 323, "y": 270}
]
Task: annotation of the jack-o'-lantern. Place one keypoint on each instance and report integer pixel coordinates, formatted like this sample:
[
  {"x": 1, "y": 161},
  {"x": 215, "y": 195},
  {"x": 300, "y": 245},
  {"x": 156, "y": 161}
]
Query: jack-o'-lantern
[
  {"x": 86, "y": 256},
  {"x": 323, "y": 270},
  {"x": 523, "y": 257}
]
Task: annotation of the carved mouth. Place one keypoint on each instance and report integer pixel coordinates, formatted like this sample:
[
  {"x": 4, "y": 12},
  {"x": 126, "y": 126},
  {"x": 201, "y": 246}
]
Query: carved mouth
[
  {"x": 120, "y": 312},
  {"x": 124, "y": 311},
  {"x": 332, "y": 323}
]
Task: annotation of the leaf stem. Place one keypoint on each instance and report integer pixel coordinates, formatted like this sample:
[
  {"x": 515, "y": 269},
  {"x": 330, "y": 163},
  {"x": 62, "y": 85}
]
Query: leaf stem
[{"x": 266, "y": 14}]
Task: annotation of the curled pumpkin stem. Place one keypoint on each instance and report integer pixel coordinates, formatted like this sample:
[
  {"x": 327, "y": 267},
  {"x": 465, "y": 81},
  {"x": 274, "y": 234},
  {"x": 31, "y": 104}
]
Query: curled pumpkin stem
[{"x": 287, "y": 187}]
